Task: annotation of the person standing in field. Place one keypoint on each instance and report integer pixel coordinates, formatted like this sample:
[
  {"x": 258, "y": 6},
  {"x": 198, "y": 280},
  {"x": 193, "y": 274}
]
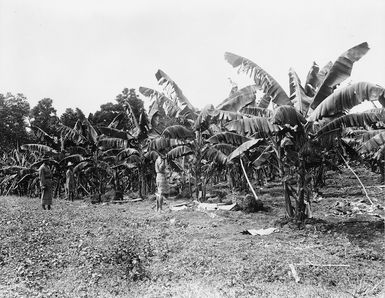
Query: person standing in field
[
  {"x": 161, "y": 180},
  {"x": 46, "y": 186},
  {"x": 69, "y": 186}
]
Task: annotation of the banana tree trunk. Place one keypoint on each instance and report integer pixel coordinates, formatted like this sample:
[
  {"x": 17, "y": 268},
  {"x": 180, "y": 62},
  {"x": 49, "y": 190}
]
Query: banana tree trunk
[
  {"x": 204, "y": 184},
  {"x": 198, "y": 165},
  {"x": 141, "y": 183},
  {"x": 300, "y": 202},
  {"x": 286, "y": 191}
]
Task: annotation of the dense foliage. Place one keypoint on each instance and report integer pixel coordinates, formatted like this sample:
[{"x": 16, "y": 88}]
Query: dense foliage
[{"x": 257, "y": 134}]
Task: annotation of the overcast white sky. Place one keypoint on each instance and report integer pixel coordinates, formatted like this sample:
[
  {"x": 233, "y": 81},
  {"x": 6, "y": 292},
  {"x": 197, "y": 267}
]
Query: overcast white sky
[{"x": 82, "y": 53}]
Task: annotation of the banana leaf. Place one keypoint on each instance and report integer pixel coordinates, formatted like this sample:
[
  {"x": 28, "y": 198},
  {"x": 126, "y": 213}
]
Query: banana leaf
[
  {"x": 287, "y": 115},
  {"x": 38, "y": 148},
  {"x": 115, "y": 133},
  {"x": 339, "y": 72},
  {"x": 228, "y": 138},
  {"x": 297, "y": 93},
  {"x": 216, "y": 156},
  {"x": 224, "y": 148},
  {"x": 175, "y": 92},
  {"x": 350, "y": 120},
  {"x": 311, "y": 80},
  {"x": 246, "y": 146},
  {"x": 373, "y": 144},
  {"x": 178, "y": 132},
  {"x": 73, "y": 134},
  {"x": 164, "y": 143},
  {"x": 239, "y": 99},
  {"x": 264, "y": 157},
  {"x": 179, "y": 152},
  {"x": 262, "y": 79},
  {"x": 341, "y": 101},
  {"x": 126, "y": 153},
  {"x": 251, "y": 126},
  {"x": 255, "y": 111}
]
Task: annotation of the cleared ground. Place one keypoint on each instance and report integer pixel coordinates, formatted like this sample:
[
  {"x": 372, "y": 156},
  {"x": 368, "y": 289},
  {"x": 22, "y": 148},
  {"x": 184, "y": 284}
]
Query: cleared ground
[{"x": 127, "y": 250}]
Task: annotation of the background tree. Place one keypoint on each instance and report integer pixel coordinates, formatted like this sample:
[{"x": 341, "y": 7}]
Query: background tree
[
  {"x": 106, "y": 114},
  {"x": 130, "y": 100},
  {"x": 69, "y": 117},
  {"x": 43, "y": 115},
  {"x": 13, "y": 114}
]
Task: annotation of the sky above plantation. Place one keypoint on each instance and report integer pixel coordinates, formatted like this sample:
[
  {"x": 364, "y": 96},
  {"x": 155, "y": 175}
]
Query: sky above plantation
[{"x": 82, "y": 53}]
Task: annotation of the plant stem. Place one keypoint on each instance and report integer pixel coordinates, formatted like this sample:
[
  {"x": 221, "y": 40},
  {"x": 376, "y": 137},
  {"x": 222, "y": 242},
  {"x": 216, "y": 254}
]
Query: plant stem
[
  {"x": 359, "y": 180},
  {"x": 248, "y": 181}
]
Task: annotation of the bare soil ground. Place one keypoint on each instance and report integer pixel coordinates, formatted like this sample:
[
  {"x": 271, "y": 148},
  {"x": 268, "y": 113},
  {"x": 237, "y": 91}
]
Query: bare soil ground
[{"x": 127, "y": 250}]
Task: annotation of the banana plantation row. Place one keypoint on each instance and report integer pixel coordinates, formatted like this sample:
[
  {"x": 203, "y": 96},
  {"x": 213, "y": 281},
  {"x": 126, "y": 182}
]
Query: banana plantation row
[{"x": 257, "y": 134}]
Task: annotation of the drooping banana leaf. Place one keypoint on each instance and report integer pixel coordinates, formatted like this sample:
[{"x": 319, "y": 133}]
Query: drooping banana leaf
[
  {"x": 367, "y": 135},
  {"x": 373, "y": 144},
  {"x": 12, "y": 169},
  {"x": 251, "y": 126},
  {"x": 26, "y": 177},
  {"x": 340, "y": 71},
  {"x": 115, "y": 122},
  {"x": 287, "y": 115},
  {"x": 255, "y": 111},
  {"x": 83, "y": 165},
  {"x": 225, "y": 148},
  {"x": 351, "y": 120},
  {"x": 176, "y": 92},
  {"x": 264, "y": 157},
  {"x": 379, "y": 111},
  {"x": 151, "y": 93},
  {"x": 239, "y": 99},
  {"x": 91, "y": 132},
  {"x": 297, "y": 93},
  {"x": 246, "y": 146},
  {"x": 228, "y": 138},
  {"x": 261, "y": 78},
  {"x": 115, "y": 133},
  {"x": 164, "y": 143},
  {"x": 312, "y": 80},
  {"x": 323, "y": 73},
  {"x": 110, "y": 142},
  {"x": 178, "y": 132},
  {"x": 216, "y": 156},
  {"x": 159, "y": 102},
  {"x": 41, "y": 134},
  {"x": 204, "y": 118},
  {"x": 346, "y": 98},
  {"x": 125, "y": 165},
  {"x": 264, "y": 101},
  {"x": 126, "y": 153},
  {"x": 226, "y": 116},
  {"x": 38, "y": 148},
  {"x": 179, "y": 152},
  {"x": 73, "y": 134},
  {"x": 7, "y": 179}
]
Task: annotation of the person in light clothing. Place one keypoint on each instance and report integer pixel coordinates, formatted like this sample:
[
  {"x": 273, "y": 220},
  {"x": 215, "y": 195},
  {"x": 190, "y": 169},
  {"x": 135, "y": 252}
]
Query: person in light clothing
[
  {"x": 161, "y": 180},
  {"x": 70, "y": 183}
]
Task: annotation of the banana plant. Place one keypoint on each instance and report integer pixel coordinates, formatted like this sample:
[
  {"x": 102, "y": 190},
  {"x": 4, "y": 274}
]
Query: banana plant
[{"x": 294, "y": 139}]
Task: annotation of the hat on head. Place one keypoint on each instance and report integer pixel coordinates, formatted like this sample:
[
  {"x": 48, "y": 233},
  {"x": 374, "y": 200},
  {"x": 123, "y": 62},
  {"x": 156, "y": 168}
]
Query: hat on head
[{"x": 69, "y": 164}]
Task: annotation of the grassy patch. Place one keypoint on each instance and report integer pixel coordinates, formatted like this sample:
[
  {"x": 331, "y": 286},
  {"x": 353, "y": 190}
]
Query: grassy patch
[{"x": 81, "y": 250}]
